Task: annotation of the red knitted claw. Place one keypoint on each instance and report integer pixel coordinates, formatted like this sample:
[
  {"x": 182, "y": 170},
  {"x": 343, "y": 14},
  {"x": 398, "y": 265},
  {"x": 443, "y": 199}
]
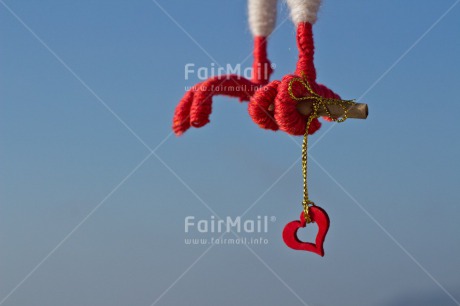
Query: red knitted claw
[
  {"x": 181, "y": 120},
  {"x": 230, "y": 85},
  {"x": 196, "y": 105},
  {"x": 275, "y": 101},
  {"x": 261, "y": 106}
]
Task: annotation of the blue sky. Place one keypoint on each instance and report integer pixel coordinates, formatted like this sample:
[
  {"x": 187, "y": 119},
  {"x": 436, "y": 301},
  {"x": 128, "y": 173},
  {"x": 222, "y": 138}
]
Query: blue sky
[{"x": 88, "y": 217}]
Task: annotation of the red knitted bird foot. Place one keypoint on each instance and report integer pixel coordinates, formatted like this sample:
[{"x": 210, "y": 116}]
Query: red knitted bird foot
[
  {"x": 195, "y": 107},
  {"x": 274, "y": 107}
]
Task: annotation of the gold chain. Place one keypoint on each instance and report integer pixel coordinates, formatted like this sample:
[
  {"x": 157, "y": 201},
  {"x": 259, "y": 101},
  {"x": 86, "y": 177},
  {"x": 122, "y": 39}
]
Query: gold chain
[{"x": 317, "y": 102}]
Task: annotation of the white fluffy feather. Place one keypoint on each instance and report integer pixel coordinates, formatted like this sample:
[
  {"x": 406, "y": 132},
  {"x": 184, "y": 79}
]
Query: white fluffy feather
[
  {"x": 304, "y": 10},
  {"x": 262, "y": 16}
]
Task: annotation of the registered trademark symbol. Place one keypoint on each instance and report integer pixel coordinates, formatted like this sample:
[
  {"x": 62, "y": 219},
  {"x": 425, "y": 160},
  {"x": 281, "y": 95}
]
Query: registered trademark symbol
[
  {"x": 272, "y": 218},
  {"x": 273, "y": 67}
]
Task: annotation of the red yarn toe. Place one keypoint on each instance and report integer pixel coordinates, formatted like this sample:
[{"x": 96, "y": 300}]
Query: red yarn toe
[
  {"x": 229, "y": 85},
  {"x": 261, "y": 106},
  {"x": 201, "y": 106},
  {"x": 181, "y": 119}
]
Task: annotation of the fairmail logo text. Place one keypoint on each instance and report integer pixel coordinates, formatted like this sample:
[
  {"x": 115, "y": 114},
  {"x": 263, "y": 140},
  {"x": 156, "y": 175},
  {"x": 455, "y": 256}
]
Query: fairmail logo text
[{"x": 228, "y": 224}]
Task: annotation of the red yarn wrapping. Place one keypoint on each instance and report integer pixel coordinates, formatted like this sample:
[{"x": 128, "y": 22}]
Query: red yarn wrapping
[
  {"x": 286, "y": 114},
  {"x": 261, "y": 66},
  {"x": 261, "y": 106},
  {"x": 305, "y": 64}
]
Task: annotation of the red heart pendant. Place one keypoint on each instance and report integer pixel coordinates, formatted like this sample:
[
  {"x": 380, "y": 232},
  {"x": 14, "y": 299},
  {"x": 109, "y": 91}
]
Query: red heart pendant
[{"x": 318, "y": 215}]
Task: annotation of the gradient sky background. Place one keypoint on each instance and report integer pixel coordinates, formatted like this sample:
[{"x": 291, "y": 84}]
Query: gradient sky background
[{"x": 62, "y": 153}]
